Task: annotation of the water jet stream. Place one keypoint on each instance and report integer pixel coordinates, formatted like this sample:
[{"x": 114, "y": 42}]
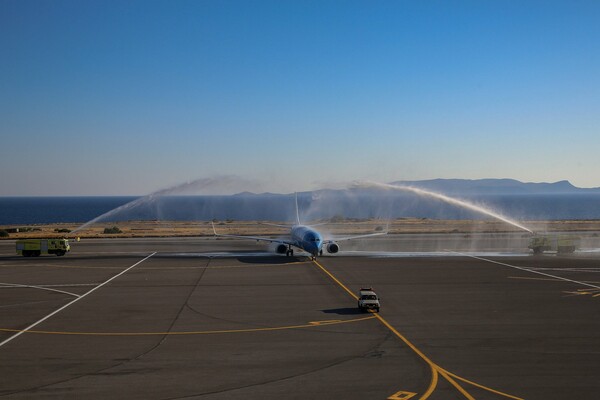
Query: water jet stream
[
  {"x": 442, "y": 197},
  {"x": 224, "y": 185}
]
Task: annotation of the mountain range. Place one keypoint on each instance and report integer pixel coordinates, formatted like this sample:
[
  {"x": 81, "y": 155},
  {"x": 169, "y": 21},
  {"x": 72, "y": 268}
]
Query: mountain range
[
  {"x": 518, "y": 200},
  {"x": 496, "y": 186}
]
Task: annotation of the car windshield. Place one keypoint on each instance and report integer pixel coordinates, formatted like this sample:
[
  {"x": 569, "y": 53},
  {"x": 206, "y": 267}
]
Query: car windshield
[{"x": 369, "y": 297}]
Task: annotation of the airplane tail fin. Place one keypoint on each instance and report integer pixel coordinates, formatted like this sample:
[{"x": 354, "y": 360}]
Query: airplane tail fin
[{"x": 297, "y": 212}]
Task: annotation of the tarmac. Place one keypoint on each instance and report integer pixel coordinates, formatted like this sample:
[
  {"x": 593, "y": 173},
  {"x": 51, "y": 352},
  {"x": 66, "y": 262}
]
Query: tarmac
[{"x": 221, "y": 319}]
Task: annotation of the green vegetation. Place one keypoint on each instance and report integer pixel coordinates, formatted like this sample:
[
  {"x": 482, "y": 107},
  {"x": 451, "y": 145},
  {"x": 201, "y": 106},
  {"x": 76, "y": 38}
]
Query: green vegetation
[
  {"x": 23, "y": 229},
  {"x": 3, "y": 233},
  {"x": 112, "y": 230}
]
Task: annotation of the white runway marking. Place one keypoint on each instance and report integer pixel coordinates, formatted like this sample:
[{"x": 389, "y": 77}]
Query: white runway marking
[
  {"x": 401, "y": 254},
  {"x": 531, "y": 271},
  {"x": 566, "y": 269},
  {"x": 70, "y": 284},
  {"x": 72, "y": 302},
  {"x": 18, "y": 285}
]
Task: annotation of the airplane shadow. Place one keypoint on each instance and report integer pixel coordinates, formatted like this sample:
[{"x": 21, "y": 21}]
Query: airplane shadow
[
  {"x": 270, "y": 260},
  {"x": 343, "y": 311}
]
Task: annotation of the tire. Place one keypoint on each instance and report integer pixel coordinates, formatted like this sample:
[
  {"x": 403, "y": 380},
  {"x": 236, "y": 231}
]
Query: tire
[
  {"x": 37, "y": 253},
  {"x": 60, "y": 253}
]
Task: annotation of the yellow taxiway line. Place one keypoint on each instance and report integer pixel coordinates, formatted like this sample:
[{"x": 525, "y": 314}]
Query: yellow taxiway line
[
  {"x": 436, "y": 370},
  {"x": 312, "y": 324}
]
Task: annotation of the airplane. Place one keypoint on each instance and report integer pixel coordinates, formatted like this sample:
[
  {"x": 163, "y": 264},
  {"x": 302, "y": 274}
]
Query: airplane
[{"x": 303, "y": 237}]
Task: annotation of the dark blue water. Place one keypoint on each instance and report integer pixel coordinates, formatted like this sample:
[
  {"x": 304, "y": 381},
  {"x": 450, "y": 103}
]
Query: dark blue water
[{"x": 40, "y": 210}]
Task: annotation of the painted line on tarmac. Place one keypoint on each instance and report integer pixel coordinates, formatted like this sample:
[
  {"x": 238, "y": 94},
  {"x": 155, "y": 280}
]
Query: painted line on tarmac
[
  {"x": 312, "y": 324},
  {"x": 18, "y": 285},
  {"x": 530, "y": 270},
  {"x": 56, "y": 266},
  {"x": 169, "y": 268},
  {"x": 592, "y": 293},
  {"x": 70, "y": 284},
  {"x": 23, "y": 304},
  {"x": 72, "y": 302},
  {"x": 229, "y": 266},
  {"x": 530, "y": 278},
  {"x": 576, "y": 269},
  {"x": 87, "y": 253},
  {"x": 436, "y": 370}
]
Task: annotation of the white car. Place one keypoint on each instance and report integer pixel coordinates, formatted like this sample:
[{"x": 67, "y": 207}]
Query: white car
[{"x": 368, "y": 300}]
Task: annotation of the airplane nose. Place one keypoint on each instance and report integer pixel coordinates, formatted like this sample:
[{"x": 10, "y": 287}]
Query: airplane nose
[{"x": 317, "y": 248}]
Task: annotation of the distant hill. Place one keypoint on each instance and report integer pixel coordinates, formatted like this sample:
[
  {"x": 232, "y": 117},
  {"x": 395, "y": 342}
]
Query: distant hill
[
  {"x": 518, "y": 200},
  {"x": 468, "y": 187}
]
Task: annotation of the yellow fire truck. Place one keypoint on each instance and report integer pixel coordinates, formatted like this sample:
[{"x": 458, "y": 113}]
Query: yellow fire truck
[
  {"x": 562, "y": 244},
  {"x": 36, "y": 247}
]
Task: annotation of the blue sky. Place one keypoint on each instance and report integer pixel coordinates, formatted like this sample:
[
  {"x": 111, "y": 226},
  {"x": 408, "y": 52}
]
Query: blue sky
[{"x": 128, "y": 97}]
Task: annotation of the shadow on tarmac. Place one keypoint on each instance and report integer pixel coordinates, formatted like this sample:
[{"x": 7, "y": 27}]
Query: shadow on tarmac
[
  {"x": 270, "y": 260},
  {"x": 343, "y": 311}
]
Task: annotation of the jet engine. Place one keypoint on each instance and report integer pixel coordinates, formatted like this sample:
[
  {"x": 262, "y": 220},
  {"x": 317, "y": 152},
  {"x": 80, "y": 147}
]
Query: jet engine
[
  {"x": 333, "y": 248},
  {"x": 281, "y": 249}
]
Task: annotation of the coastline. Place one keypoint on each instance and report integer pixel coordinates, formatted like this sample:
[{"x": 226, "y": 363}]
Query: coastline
[{"x": 140, "y": 229}]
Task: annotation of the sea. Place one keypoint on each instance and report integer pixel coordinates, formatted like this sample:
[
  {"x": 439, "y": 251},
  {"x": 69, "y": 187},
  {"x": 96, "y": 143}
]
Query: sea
[{"x": 46, "y": 210}]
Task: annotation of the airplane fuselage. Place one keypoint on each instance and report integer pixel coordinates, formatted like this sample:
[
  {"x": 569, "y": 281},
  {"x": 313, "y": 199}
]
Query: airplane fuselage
[
  {"x": 307, "y": 239},
  {"x": 303, "y": 237}
]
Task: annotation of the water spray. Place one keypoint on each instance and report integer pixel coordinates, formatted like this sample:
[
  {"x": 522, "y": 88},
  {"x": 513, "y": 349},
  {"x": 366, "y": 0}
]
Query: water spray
[
  {"x": 224, "y": 185},
  {"x": 442, "y": 197}
]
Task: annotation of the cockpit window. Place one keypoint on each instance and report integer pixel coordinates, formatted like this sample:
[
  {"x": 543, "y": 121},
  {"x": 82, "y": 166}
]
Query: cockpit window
[{"x": 311, "y": 237}]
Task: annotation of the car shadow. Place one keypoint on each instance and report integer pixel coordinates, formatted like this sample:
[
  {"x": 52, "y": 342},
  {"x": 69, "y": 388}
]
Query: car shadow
[{"x": 343, "y": 311}]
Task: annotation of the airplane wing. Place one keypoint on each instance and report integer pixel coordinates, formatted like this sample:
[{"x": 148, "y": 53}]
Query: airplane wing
[
  {"x": 327, "y": 241},
  {"x": 257, "y": 238},
  {"x": 290, "y": 226},
  {"x": 277, "y": 225}
]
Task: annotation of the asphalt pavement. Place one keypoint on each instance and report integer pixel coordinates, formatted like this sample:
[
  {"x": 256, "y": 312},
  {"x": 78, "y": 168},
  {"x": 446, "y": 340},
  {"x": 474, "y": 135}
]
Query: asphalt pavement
[{"x": 221, "y": 319}]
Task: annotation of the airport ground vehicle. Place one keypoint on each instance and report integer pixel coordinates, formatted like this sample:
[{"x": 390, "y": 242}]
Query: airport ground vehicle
[
  {"x": 562, "y": 244},
  {"x": 36, "y": 247},
  {"x": 368, "y": 300}
]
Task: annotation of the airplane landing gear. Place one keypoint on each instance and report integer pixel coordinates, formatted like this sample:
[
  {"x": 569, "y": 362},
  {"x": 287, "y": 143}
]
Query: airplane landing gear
[{"x": 290, "y": 252}]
